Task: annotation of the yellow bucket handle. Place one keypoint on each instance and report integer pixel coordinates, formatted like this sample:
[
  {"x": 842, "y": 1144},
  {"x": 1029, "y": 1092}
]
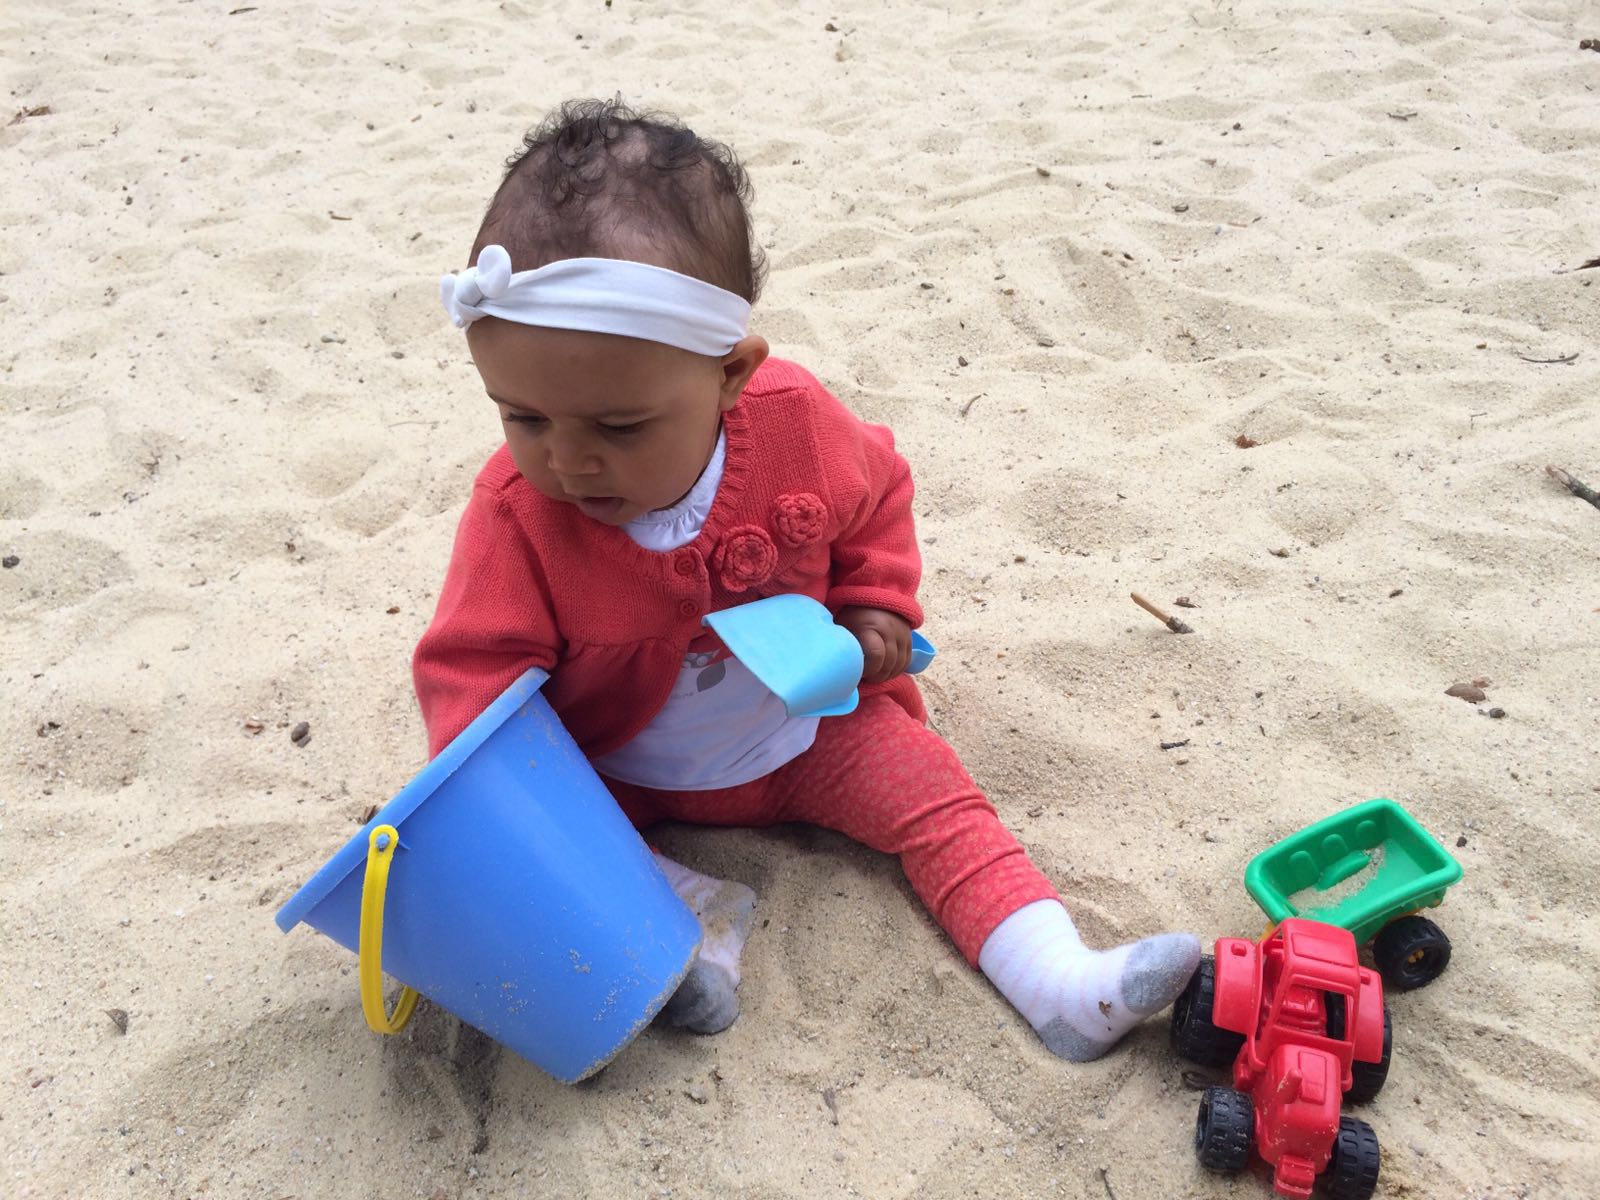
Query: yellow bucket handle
[{"x": 369, "y": 954}]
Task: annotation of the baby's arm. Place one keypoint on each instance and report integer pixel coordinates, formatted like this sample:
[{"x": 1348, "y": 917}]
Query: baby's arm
[
  {"x": 876, "y": 565},
  {"x": 493, "y": 622}
]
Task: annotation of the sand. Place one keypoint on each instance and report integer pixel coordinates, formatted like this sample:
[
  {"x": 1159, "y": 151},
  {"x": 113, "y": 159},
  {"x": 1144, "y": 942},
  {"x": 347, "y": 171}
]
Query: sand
[{"x": 1070, "y": 252}]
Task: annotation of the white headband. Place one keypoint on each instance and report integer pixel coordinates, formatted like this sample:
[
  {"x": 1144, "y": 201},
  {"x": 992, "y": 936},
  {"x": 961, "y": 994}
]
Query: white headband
[{"x": 599, "y": 295}]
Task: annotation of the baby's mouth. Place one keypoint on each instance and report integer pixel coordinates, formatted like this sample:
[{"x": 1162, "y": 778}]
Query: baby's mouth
[{"x": 599, "y": 508}]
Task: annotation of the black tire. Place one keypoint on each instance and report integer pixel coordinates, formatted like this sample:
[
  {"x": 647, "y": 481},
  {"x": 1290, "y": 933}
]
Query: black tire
[
  {"x": 1352, "y": 1171},
  {"x": 1367, "y": 1079},
  {"x": 1194, "y": 1036},
  {"x": 1411, "y": 952},
  {"x": 1224, "y": 1129}
]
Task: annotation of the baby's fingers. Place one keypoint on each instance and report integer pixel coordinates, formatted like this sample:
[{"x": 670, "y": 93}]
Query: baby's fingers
[
  {"x": 902, "y": 653},
  {"x": 873, "y": 655}
]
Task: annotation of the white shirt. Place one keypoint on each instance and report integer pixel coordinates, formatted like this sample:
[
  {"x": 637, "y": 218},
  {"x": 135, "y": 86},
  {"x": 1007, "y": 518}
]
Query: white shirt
[{"x": 720, "y": 726}]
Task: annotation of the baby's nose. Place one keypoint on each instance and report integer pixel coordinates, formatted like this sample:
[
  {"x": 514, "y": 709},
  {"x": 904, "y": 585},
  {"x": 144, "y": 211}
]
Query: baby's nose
[{"x": 569, "y": 457}]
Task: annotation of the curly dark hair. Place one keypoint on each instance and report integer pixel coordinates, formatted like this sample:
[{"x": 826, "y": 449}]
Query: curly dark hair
[{"x": 597, "y": 179}]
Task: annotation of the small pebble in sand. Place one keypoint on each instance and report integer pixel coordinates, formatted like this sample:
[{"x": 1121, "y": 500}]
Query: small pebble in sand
[
  {"x": 119, "y": 1018},
  {"x": 9, "y": 561},
  {"x": 1471, "y": 693},
  {"x": 1497, "y": 713},
  {"x": 301, "y": 733}
]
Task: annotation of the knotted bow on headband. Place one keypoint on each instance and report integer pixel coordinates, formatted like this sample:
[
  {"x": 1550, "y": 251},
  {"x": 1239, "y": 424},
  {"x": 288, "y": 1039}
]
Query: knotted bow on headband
[{"x": 599, "y": 295}]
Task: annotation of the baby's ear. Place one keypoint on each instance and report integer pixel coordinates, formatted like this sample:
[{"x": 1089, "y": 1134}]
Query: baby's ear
[{"x": 738, "y": 365}]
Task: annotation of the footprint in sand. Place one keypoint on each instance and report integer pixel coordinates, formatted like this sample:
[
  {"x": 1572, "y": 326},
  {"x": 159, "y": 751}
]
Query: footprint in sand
[
  {"x": 21, "y": 494},
  {"x": 56, "y": 569}
]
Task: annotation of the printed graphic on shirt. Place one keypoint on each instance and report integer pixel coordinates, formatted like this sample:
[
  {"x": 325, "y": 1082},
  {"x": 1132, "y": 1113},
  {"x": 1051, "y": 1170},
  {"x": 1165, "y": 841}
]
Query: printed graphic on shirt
[
  {"x": 720, "y": 727},
  {"x": 707, "y": 660}
]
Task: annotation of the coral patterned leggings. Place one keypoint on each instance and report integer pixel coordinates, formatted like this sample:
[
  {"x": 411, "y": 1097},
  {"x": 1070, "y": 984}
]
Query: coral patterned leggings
[{"x": 881, "y": 777}]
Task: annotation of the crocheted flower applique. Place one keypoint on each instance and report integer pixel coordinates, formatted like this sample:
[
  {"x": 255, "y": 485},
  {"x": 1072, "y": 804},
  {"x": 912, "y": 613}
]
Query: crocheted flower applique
[
  {"x": 746, "y": 558},
  {"x": 799, "y": 518}
]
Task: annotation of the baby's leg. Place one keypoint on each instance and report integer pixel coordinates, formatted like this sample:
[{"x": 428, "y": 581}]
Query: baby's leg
[
  {"x": 886, "y": 780},
  {"x": 706, "y": 1001}
]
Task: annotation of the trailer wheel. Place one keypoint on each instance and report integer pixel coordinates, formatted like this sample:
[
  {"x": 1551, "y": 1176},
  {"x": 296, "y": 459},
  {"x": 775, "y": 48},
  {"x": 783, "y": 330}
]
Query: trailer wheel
[
  {"x": 1411, "y": 952},
  {"x": 1224, "y": 1129}
]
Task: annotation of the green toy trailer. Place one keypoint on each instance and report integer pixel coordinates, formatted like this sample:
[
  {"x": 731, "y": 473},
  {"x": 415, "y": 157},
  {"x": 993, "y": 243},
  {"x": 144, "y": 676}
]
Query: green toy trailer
[{"x": 1367, "y": 869}]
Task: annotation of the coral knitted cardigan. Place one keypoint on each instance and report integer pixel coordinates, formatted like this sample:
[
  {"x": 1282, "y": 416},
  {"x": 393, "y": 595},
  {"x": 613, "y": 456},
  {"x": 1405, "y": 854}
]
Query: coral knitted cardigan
[{"x": 812, "y": 500}]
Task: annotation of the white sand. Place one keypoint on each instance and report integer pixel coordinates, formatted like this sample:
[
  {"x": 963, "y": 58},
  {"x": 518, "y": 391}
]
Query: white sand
[{"x": 237, "y": 431}]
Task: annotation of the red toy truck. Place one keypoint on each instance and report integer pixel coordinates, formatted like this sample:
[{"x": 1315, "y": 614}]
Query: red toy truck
[{"x": 1304, "y": 1026}]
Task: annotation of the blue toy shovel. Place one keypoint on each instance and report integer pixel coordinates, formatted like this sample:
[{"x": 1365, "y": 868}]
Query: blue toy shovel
[{"x": 791, "y": 645}]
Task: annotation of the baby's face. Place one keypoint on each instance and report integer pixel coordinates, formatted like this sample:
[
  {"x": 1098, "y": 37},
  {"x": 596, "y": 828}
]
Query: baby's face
[{"x": 615, "y": 426}]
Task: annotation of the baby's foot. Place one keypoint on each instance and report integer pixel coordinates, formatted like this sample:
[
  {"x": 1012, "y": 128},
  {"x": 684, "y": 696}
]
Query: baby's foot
[
  {"x": 1081, "y": 1001},
  {"x": 1105, "y": 993},
  {"x": 707, "y": 1001}
]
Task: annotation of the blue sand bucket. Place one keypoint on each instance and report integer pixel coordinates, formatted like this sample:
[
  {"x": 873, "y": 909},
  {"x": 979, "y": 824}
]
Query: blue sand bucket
[
  {"x": 792, "y": 646},
  {"x": 518, "y": 896}
]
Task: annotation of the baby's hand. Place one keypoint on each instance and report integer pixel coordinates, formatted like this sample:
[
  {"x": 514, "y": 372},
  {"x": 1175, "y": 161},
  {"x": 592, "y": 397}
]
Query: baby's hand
[{"x": 885, "y": 641}]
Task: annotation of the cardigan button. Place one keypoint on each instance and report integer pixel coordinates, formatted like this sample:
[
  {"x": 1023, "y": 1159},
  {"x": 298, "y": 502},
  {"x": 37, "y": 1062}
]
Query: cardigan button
[
  {"x": 685, "y": 564},
  {"x": 689, "y": 608}
]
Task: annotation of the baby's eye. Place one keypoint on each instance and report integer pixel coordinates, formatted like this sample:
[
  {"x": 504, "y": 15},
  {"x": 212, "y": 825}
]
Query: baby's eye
[
  {"x": 522, "y": 418},
  {"x": 622, "y": 430}
]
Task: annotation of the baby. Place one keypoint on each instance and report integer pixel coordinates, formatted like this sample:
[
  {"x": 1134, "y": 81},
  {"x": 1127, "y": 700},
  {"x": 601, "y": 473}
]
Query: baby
[{"x": 659, "y": 466}]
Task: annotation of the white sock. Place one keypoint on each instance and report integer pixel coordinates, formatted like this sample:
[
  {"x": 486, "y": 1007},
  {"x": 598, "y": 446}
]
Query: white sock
[
  {"x": 1082, "y": 1001},
  {"x": 705, "y": 1001}
]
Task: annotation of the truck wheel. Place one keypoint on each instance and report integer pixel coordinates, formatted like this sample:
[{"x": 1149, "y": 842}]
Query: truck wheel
[
  {"x": 1411, "y": 952},
  {"x": 1193, "y": 1035},
  {"x": 1366, "y": 1078},
  {"x": 1224, "y": 1130},
  {"x": 1352, "y": 1171}
]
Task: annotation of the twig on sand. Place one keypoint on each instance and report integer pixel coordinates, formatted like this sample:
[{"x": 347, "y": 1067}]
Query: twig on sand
[
  {"x": 1565, "y": 358},
  {"x": 1171, "y": 623},
  {"x": 1574, "y": 485},
  {"x": 967, "y": 407},
  {"x": 1583, "y": 266},
  {"x": 1105, "y": 1178}
]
